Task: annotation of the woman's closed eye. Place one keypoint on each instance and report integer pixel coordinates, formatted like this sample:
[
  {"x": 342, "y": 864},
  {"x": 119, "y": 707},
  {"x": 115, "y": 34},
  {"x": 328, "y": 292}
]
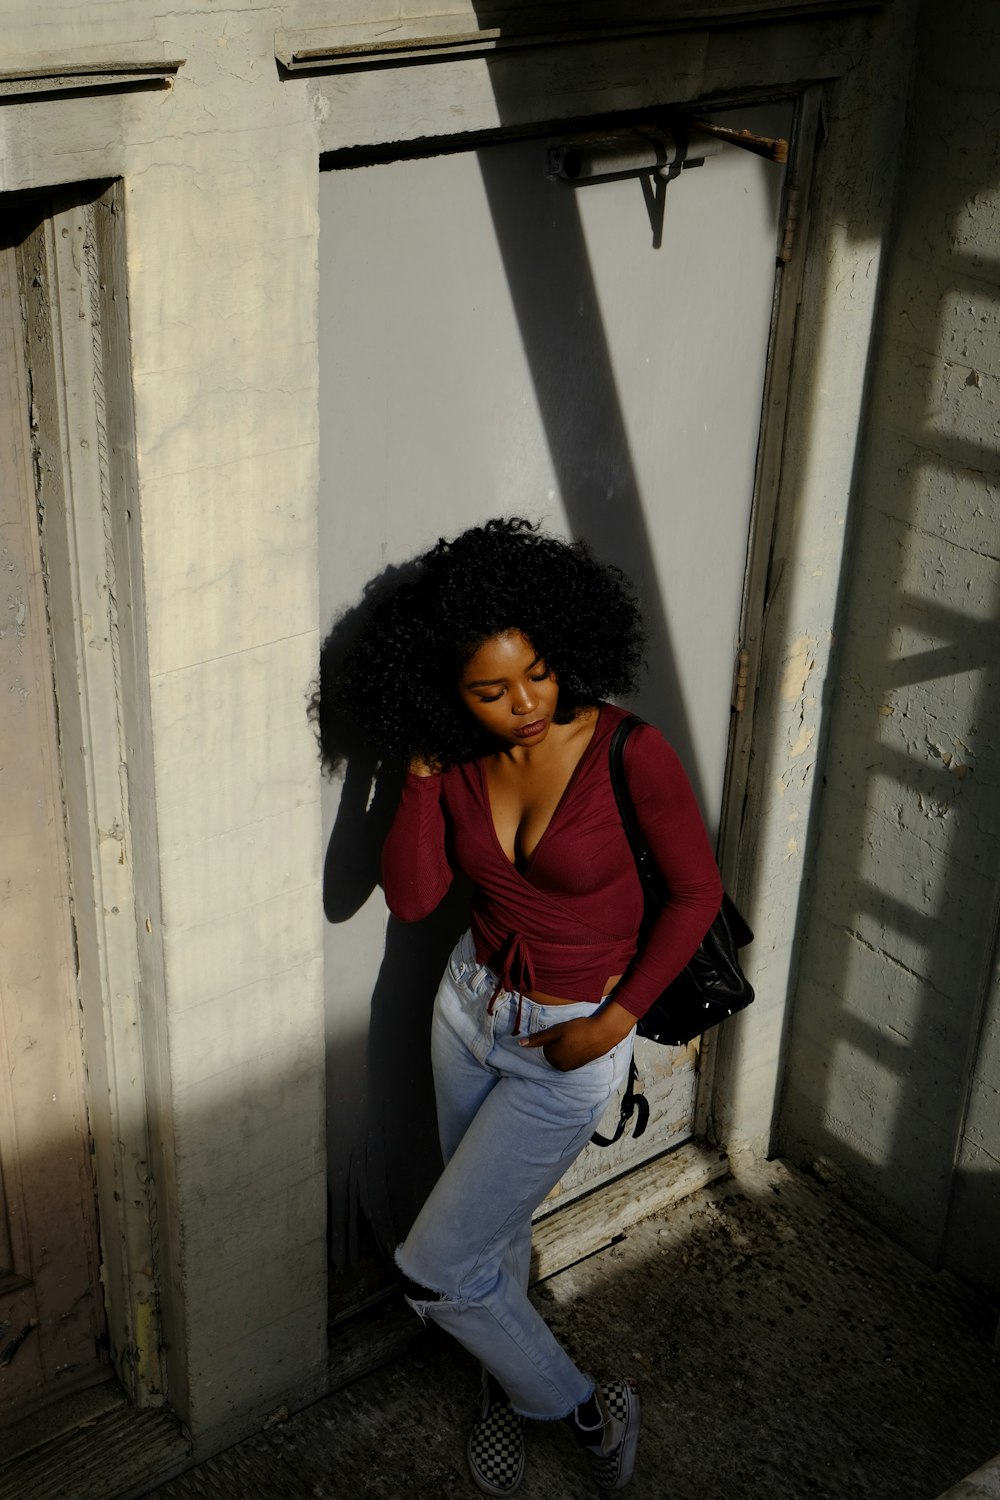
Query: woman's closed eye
[{"x": 541, "y": 676}]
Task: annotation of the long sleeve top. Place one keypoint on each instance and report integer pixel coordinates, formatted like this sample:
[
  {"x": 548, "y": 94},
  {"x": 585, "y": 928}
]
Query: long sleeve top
[{"x": 570, "y": 919}]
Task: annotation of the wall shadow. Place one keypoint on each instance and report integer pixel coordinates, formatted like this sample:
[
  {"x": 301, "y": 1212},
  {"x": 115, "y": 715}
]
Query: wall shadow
[{"x": 547, "y": 266}]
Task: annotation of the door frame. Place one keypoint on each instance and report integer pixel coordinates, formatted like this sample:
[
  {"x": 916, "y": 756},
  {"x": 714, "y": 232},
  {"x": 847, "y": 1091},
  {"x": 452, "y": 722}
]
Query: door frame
[
  {"x": 50, "y": 1294},
  {"x": 71, "y": 262},
  {"x": 734, "y": 855}
]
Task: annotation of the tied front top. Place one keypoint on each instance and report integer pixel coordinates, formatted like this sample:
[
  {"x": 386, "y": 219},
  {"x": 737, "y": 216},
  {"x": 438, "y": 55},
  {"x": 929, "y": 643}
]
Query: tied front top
[{"x": 570, "y": 918}]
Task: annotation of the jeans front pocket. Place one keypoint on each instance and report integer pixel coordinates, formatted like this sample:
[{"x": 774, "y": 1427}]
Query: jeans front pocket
[
  {"x": 597, "y": 1068},
  {"x": 461, "y": 962}
]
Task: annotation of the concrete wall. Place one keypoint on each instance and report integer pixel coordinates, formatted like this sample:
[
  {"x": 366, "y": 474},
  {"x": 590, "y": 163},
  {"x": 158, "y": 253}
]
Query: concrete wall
[
  {"x": 814, "y": 416},
  {"x": 893, "y": 1072},
  {"x": 220, "y": 221}
]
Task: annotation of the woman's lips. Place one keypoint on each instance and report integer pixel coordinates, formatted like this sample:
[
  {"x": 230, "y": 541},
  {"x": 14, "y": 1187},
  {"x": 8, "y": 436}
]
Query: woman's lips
[{"x": 527, "y": 731}]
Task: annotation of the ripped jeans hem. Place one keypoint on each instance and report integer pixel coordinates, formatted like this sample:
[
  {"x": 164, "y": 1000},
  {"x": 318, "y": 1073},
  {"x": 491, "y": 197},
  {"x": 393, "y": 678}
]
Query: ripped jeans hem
[
  {"x": 436, "y": 1295},
  {"x": 438, "y": 1298}
]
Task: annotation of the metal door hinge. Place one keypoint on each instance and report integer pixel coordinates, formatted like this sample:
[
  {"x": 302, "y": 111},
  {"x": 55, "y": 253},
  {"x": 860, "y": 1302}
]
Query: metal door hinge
[
  {"x": 740, "y": 680},
  {"x": 791, "y": 225}
]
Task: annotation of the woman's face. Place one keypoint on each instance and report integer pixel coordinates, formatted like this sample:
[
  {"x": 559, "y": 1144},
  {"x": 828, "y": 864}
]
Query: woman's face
[{"x": 508, "y": 688}]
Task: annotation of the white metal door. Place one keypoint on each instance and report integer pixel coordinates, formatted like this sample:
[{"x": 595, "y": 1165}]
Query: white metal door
[{"x": 494, "y": 341}]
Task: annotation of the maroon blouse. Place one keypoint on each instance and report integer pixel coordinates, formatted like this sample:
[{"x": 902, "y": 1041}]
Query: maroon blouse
[{"x": 571, "y": 917}]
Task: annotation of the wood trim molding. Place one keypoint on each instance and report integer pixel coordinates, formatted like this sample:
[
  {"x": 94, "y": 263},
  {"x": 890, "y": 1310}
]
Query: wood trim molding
[
  {"x": 73, "y": 281},
  {"x": 439, "y": 38},
  {"x": 86, "y": 78}
]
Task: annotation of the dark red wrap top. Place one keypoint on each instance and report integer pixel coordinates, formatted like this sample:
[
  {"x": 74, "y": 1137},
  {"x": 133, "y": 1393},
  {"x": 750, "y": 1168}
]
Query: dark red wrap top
[{"x": 570, "y": 919}]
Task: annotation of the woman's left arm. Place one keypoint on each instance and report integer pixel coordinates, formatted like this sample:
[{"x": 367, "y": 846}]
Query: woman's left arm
[{"x": 671, "y": 824}]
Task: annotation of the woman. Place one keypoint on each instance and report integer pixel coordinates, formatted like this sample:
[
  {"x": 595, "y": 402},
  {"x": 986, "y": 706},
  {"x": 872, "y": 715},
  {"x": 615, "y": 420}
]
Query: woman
[{"x": 487, "y": 670}]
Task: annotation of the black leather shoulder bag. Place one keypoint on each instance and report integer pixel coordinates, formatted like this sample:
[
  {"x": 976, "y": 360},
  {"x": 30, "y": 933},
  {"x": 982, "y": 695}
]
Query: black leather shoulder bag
[{"x": 711, "y": 987}]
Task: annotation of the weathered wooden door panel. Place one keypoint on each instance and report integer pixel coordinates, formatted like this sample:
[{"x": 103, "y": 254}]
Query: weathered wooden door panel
[
  {"x": 51, "y": 1323},
  {"x": 493, "y": 341}
]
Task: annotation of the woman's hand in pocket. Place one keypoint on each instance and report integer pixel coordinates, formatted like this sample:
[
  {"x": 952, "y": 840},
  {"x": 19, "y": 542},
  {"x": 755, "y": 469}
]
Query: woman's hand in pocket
[{"x": 573, "y": 1044}]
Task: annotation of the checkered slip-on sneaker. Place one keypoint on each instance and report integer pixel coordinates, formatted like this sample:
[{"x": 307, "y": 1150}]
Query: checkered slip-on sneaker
[
  {"x": 614, "y": 1462},
  {"x": 496, "y": 1444}
]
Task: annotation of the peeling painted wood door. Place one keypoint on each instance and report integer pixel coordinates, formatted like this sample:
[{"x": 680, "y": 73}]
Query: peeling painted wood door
[
  {"x": 51, "y": 1320},
  {"x": 496, "y": 342}
]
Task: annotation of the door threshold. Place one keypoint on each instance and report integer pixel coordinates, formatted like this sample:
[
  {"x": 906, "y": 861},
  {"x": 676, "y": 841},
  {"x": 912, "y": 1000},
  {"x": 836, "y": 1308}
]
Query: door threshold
[
  {"x": 606, "y": 1214},
  {"x": 90, "y": 1446}
]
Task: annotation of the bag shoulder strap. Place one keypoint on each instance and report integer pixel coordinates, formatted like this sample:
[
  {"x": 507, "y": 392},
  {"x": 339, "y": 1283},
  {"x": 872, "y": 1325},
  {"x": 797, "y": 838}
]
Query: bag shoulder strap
[
  {"x": 632, "y": 1102},
  {"x": 619, "y": 781},
  {"x": 649, "y": 871}
]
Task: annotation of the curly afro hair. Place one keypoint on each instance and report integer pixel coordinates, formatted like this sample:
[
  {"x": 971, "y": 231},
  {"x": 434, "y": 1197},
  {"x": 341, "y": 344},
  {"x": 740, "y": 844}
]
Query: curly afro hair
[{"x": 398, "y": 678}]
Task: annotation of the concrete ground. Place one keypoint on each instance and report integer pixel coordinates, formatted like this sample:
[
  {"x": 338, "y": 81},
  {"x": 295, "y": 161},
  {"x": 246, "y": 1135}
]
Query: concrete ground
[{"x": 784, "y": 1348}]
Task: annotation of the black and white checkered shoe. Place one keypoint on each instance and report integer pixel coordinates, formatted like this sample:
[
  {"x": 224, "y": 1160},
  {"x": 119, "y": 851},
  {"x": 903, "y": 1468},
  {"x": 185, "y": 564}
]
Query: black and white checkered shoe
[
  {"x": 496, "y": 1443},
  {"x": 614, "y": 1461}
]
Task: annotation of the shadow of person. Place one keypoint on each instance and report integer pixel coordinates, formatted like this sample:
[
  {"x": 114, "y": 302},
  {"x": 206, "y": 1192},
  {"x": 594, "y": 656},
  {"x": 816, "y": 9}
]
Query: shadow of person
[
  {"x": 404, "y": 1156},
  {"x": 370, "y": 785},
  {"x": 383, "y": 1085}
]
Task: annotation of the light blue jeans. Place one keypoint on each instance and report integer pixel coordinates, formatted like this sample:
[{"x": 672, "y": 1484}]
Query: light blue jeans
[{"x": 510, "y": 1125}]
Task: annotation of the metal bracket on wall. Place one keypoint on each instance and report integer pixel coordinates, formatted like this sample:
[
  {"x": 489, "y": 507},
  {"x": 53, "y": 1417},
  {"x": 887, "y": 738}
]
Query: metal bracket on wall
[
  {"x": 774, "y": 148},
  {"x": 658, "y": 148},
  {"x": 631, "y": 151},
  {"x": 655, "y": 153}
]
